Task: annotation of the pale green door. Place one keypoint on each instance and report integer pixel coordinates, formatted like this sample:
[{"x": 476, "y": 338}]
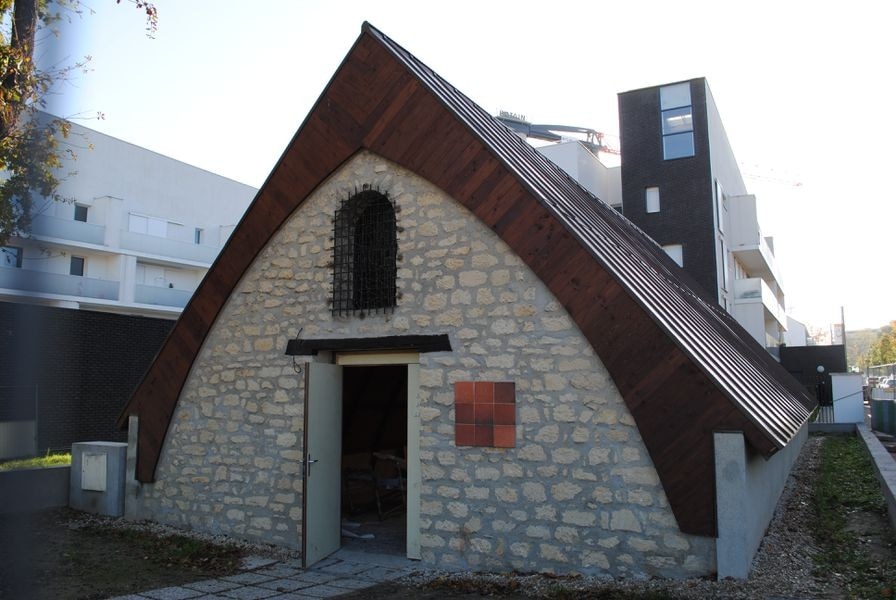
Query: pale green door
[{"x": 321, "y": 529}]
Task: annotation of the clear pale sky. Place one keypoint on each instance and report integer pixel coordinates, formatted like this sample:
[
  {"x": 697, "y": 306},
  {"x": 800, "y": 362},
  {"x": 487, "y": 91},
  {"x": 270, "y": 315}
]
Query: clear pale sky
[{"x": 805, "y": 91}]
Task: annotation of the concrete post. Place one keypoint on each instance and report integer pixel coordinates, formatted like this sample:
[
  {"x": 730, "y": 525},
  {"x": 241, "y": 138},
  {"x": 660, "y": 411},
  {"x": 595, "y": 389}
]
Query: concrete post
[
  {"x": 733, "y": 555},
  {"x": 132, "y": 487}
]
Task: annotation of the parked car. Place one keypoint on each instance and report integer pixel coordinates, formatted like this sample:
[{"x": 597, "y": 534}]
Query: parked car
[{"x": 887, "y": 383}]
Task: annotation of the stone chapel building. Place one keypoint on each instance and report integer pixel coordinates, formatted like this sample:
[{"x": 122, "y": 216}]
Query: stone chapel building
[{"x": 415, "y": 279}]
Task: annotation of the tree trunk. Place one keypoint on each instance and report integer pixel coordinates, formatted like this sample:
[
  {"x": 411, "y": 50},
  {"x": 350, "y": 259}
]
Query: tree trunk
[{"x": 21, "y": 66}]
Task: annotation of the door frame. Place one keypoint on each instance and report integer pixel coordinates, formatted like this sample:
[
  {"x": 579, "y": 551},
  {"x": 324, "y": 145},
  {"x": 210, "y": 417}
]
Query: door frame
[{"x": 412, "y": 360}]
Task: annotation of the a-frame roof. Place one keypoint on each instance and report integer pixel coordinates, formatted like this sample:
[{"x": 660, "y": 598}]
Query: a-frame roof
[{"x": 684, "y": 367}]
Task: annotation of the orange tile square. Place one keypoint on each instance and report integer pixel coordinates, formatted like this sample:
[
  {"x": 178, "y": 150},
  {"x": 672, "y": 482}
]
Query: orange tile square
[
  {"x": 464, "y": 392},
  {"x": 504, "y": 436},
  {"x": 463, "y": 413},
  {"x": 505, "y": 392},
  {"x": 464, "y": 435},
  {"x": 483, "y": 414},
  {"x": 484, "y": 435},
  {"x": 485, "y": 392},
  {"x": 505, "y": 414}
]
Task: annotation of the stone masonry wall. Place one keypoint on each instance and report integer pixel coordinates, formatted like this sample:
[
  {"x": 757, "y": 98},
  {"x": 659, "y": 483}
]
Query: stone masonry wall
[{"x": 577, "y": 493}]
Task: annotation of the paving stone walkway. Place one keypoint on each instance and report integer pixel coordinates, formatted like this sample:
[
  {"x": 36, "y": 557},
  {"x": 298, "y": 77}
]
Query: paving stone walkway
[{"x": 343, "y": 572}]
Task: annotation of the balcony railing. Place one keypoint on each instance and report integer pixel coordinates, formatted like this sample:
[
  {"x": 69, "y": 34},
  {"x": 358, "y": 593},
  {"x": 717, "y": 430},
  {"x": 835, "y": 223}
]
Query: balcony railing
[
  {"x": 755, "y": 289},
  {"x": 44, "y": 225},
  {"x": 151, "y": 244},
  {"x": 148, "y": 294},
  {"x": 42, "y": 282}
]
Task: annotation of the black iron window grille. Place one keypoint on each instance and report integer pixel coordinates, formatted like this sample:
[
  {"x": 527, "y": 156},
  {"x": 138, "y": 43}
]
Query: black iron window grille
[{"x": 365, "y": 249}]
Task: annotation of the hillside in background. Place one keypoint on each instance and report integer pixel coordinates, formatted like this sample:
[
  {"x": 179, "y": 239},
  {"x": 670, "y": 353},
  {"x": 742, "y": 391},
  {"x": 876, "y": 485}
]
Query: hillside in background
[{"x": 858, "y": 342}]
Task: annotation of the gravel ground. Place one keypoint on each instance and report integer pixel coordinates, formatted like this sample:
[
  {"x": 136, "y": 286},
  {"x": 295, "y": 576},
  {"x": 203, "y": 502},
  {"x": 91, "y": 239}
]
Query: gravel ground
[{"x": 782, "y": 568}]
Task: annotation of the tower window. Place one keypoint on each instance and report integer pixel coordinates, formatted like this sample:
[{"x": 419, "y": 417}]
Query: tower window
[
  {"x": 676, "y": 253},
  {"x": 652, "y": 199},
  {"x": 677, "y": 118},
  {"x": 80, "y": 213},
  {"x": 365, "y": 249}
]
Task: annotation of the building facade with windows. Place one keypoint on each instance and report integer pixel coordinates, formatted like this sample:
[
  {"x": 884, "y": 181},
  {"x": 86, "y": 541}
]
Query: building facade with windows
[
  {"x": 681, "y": 184},
  {"x": 136, "y": 235}
]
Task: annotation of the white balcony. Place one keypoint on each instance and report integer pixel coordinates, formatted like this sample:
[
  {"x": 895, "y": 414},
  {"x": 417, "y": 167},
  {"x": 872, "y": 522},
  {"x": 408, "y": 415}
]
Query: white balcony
[
  {"x": 754, "y": 291},
  {"x": 149, "y": 294},
  {"x": 42, "y": 282},
  {"x": 67, "y": 229},
  {"x": 159, "y": 246}
]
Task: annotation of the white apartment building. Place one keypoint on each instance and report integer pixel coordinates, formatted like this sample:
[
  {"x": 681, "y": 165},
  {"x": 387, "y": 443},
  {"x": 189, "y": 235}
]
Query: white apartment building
[
  {"x": 750, "y": 283},
  {"x": 137, "y": 235}
]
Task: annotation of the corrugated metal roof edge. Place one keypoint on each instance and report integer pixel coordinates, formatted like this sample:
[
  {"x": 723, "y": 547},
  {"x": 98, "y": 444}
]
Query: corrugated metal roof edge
[{"x": 780, "y": 436}]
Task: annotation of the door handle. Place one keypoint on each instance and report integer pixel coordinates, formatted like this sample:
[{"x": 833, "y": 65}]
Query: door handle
[{"x": 308, "y": 462}]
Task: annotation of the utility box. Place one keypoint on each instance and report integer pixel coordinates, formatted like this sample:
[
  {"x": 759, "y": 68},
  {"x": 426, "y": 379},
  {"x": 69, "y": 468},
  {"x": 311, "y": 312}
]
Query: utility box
[{"x": 97, "y": 477}]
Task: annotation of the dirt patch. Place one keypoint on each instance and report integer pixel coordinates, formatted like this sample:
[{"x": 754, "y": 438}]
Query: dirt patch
[
  {"x": 872, "y": 533},
  {"x": 53, "y": 555}
]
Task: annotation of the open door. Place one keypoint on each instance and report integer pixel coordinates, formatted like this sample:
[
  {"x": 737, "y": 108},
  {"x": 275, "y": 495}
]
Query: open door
[{"x": 321, "y": 533}]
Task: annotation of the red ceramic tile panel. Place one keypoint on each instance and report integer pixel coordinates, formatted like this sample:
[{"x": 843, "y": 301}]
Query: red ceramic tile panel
[
  {"x": 504, "y": 436},
  {"x": 463, "y": 392},
  {"x": 484, "y": 435},
  {"x": 505, "y": 392},
  {"x": 483, "y": 414},
  {"x": 505, "y": 414},
  {"x": 464, "y": 435},
  {"x": 463, "y": 413},
  {"x": 485, "y": 392}
]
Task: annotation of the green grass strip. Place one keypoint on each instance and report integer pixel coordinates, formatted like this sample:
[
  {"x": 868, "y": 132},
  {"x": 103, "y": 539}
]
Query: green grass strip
[
  {"x": 846, "y": 487},
  {"x": 38, "y": 462}
]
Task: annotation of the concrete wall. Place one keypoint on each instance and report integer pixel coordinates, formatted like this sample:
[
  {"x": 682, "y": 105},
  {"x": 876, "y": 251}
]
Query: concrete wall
[
  {"x": 33, "y": 489},
  {"x": 583, "y": 166},
  {"x": 577, "y": 493},
  {"x": 18, "y": 439},
  {"x": 747, "y": 492}
]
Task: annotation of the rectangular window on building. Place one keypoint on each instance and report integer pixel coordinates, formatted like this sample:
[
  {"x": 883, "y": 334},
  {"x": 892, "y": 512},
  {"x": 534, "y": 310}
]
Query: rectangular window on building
[
  {"x": 725, "y": 264},
  {"x": 11, "y": 257},
  {"x": 721, "y": 209},
  {"x": 677, "y": 118},
  {"x": 80, "y": 213},
  {"x": 652, "y": 199},
  {"x": 76, "y": 267},
  {"x": 676, "y": 253},
  {"x": 197, "y": 236}
]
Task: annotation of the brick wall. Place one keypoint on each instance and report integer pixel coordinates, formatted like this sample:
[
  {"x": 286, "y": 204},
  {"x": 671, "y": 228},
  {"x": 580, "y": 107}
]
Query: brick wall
[
  {"x": 686, "y": 202},
  {"x": 84, "y": 366}
]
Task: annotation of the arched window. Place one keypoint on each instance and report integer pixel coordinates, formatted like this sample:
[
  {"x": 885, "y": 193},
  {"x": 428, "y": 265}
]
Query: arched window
[{"x": 365, "y": 248}]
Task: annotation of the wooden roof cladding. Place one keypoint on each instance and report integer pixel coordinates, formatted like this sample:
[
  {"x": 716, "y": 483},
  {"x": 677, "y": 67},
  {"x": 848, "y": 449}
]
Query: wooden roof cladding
[{"x": 683, "y": 366}]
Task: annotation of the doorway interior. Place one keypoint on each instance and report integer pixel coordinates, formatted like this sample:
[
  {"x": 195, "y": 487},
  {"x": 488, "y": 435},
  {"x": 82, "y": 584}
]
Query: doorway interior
[{"x": 374, "y": 480}]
